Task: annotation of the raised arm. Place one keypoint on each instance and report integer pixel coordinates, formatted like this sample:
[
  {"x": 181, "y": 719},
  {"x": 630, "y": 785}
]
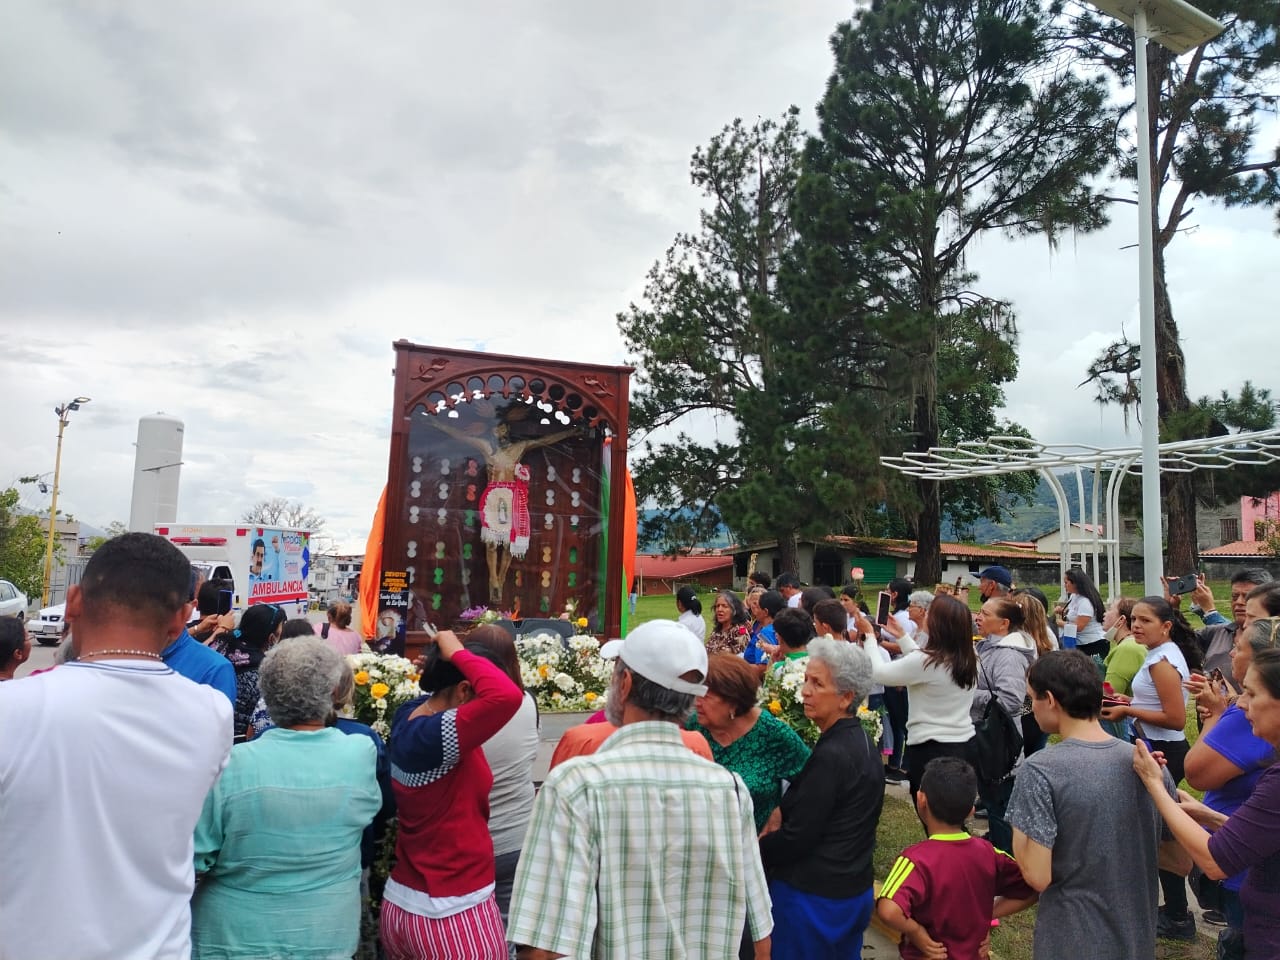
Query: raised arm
[
  {"x": 434, "y": 742},
  {"x": 895, "y": 673},
  {"x": 524, "y": 446}
]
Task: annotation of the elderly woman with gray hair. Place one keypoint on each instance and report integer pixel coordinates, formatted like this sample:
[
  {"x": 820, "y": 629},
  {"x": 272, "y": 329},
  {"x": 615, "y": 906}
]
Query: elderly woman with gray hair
[
  {"x": 819, "y": 859},
  {"x": 277, "y": 848}
]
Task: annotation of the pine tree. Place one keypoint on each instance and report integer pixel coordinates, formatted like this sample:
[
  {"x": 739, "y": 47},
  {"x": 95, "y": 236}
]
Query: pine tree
[{"x": 942, "y": 120}]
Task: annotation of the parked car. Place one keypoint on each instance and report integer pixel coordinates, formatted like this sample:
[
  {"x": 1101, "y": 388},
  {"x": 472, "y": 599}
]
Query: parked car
[
  {"x": 46, "y": 629},
  {"x": 13, "y": 602}
]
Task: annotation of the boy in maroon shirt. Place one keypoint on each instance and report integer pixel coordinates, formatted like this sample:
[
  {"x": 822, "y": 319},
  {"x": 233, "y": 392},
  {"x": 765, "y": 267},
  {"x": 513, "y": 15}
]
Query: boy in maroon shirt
[{"x": 942, "y": 894}]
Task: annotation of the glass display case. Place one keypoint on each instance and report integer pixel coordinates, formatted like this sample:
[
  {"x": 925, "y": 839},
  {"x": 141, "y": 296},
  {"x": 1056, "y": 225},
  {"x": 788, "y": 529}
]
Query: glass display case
[{"x": 505, "y": 488}]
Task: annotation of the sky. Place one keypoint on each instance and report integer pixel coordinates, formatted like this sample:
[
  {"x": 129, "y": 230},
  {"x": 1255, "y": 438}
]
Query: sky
[{"x": 228, "y": 212}]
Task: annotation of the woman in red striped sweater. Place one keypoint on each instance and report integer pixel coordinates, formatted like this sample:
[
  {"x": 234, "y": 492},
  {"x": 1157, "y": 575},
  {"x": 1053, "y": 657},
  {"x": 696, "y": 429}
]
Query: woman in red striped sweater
[{"x": 438, "y": 903}]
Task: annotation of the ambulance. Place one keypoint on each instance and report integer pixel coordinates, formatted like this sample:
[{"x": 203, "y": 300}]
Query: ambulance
[{"x": 264, "y": 564}]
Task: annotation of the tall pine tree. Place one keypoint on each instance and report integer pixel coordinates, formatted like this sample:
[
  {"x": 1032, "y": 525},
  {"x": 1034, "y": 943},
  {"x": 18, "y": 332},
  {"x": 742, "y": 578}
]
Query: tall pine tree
[
  {"x": 943, "y": 119},
  {"x": 713, "y": 336}
]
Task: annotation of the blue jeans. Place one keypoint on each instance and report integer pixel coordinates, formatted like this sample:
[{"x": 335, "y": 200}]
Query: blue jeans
[
  {"x": 895, "y": 702},
  {"x": 995, "y": 797}
]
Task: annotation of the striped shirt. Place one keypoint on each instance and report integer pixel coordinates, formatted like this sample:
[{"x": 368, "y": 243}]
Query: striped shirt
[{"x": 641, "y": 849}]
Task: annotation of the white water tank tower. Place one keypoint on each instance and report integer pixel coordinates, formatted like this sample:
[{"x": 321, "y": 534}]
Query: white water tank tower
[{"x": 157, "y": 467}]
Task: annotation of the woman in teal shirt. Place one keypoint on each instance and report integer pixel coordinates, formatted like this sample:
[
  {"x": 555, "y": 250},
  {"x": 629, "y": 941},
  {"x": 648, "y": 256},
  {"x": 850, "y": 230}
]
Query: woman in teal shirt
[
  {"x": 750, "y": 741},
  {"x": 277, "y": 848}
]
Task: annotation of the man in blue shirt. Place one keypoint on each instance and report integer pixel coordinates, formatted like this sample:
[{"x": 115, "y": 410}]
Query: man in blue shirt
[{"x": 195, "y": 661}]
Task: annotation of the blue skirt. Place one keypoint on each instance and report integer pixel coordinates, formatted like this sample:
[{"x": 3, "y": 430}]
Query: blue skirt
[{"x": 807, "y": 926}]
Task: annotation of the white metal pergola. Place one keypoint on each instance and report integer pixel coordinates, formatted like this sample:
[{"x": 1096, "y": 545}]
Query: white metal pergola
[{"x": 1002, "y": 455}]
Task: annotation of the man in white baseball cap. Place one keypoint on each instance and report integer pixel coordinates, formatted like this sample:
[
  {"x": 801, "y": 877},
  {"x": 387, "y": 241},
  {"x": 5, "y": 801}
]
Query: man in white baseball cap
[{"x": 602, "y": 875}]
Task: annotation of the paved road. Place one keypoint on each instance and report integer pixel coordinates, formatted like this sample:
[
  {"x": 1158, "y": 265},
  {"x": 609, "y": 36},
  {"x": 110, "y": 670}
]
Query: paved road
[{"x": 40, "y": 659}]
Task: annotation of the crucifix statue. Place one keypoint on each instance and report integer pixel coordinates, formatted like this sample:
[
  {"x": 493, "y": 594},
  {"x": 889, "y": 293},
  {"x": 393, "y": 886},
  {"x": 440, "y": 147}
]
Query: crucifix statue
[{"x": 504, "y": 506}]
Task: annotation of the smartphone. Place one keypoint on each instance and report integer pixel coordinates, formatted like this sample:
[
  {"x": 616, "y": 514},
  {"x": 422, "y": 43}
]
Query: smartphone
[
  {"x": 226, "y": 599},
  {"x": 1182, "y": 585},
  {"x": 1140, "y": 734},
  {"x": 882, "y": 608}
]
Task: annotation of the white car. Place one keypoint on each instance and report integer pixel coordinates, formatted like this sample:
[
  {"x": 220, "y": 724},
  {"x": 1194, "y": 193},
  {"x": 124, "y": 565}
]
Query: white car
[
  {"x": 46, "y": 629},
  {"x": 13, "y": 602}
]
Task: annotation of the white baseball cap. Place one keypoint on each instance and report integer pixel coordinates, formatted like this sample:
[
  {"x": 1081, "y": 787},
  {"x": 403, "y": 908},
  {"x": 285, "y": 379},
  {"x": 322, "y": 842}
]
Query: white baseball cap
[{"x": 662, "y": 650}]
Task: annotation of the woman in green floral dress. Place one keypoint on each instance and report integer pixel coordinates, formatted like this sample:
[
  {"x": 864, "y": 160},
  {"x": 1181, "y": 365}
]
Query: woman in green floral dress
[{"x": 750, "y": 741}]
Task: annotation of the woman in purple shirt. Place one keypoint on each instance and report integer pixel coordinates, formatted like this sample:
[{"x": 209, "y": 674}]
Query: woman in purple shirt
[
  {"x": 1228, "y": 760},
  {"x": 1250, "y": 838}
]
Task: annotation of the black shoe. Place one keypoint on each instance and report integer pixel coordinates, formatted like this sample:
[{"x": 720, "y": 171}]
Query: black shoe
[
  {"x": 1170, "y": 929},
  {"x": 895, "y": 776},
  {"x": 1215, "y": 917}
]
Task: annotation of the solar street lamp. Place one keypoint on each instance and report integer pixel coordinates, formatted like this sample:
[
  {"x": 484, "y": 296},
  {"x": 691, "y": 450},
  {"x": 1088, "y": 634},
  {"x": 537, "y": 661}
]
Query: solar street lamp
[{"x": 1177, "y": 26}]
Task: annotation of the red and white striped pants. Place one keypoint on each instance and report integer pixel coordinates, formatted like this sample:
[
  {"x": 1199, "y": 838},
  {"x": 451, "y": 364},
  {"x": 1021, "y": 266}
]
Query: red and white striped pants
[{"x": 473, "y": 934}]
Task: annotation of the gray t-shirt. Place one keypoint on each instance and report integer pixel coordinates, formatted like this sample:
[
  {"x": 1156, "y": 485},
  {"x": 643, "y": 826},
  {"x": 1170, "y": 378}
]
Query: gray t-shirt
[{"x": 1084, "y": 802}]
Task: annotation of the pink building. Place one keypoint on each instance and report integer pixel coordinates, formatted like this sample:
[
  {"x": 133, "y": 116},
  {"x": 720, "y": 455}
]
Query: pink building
[{"x": 1252, "y": 510}]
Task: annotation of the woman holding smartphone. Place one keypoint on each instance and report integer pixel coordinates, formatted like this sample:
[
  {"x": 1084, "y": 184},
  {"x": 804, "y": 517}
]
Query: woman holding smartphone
[
  {"x": 1244, "y": 842},
  {"x": 1159, "y": 711},
  {"x": 939, "y": 680},
  {"x": 1228, "y": 759}
]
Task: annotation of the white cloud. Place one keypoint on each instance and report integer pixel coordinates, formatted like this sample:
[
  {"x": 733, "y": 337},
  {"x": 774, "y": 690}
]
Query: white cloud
[{"x": 228, "y": 212}]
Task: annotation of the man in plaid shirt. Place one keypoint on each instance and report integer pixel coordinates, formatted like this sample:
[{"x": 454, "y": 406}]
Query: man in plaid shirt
[{"x": 643, "y": 849}]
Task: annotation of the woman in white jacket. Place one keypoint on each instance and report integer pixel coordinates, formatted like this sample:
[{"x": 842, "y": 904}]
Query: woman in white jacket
[
  {"x": 939, "y": 682},
  {"x": 1005, "y": 654}
]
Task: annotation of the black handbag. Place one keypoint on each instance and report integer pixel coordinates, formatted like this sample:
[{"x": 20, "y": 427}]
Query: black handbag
[{"x": 997, "y": 740}]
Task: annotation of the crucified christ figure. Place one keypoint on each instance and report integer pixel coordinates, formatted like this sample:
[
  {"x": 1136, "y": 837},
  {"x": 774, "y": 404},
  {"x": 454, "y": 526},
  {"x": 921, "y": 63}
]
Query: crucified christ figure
[{"x": 504, "y": 505}]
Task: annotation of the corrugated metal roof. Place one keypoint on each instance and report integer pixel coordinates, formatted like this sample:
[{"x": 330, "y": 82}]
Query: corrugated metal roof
[{"x": 664, "y": 567}]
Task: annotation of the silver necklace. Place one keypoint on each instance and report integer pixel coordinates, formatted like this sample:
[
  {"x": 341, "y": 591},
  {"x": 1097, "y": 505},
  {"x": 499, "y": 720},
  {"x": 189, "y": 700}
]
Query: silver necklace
[{"x": 150, "y": 654}]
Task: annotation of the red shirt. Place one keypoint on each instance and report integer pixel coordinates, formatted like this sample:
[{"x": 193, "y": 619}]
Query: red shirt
[
  {"x": 947, "y": 884},
  {"x": 586, "y": 738},
  {"x": 441, "y": 782}
]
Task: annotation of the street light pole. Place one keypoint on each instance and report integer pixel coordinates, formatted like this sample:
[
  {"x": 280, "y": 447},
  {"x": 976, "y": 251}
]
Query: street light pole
[
  {"x": 64, "y": 414},
  {"x": 1152, "y": 532},
  {"x": 1178, "y": 26}
]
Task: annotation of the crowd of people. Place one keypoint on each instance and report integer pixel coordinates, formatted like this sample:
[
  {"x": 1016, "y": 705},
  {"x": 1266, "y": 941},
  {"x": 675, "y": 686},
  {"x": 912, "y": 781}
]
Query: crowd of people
[
  {"x": 1102, "y": 677},
  {"x": 186, "y": 785}
]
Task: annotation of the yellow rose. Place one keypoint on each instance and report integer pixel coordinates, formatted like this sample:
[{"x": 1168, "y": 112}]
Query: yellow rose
[
  {"x": 582, "y": 622},
  {"x": 362, "y": 678},
  {"x": 543, "y": 669},
  {"x": 379, "y": 690},
  {"x": 590, "y": 697},
  {"x": 775, "y": 708},
  {"x": 415, "y": 677}
]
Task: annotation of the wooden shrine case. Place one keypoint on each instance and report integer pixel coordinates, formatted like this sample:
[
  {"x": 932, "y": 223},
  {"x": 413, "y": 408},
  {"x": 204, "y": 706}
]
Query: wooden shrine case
[{"x": 505, "y": 487}]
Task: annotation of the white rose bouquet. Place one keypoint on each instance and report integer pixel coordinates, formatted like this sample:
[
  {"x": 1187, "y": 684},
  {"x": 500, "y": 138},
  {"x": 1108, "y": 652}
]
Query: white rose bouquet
[{"x": 564, "y": 675}]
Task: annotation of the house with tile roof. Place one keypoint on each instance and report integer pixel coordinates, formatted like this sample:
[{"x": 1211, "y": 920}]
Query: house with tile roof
[{"x": 829, "y": 560}]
